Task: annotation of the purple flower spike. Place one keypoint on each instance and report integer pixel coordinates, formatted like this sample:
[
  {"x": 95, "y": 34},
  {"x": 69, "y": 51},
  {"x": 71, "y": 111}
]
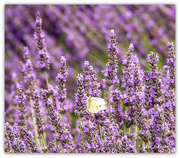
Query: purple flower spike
[
  {"x": 61, "y": 79},
  {"x": 29, "y": 139},
  {"x": 38, "y": 116},
  {"x": 128, "y": 82},
  {"x": 44, "y": 62},
  {"x": 131, "y": 47},
  {"x": 86, "y": 75},
  {"x": 29, "y": 78},
  {"x": 80, "y": 97},
  {"x": 16, "y": 143},
  {"x": 111, "y": 70},
  {"x": 21, "y": 102},
  {"x": 171, "y": 64},
  {"x": 155, "y": 76}
]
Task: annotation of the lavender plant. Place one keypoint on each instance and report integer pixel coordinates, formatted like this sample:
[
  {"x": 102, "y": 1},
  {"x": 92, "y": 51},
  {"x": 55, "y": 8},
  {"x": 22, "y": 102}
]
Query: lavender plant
[
  {"x": 73, "y": 31},
  {"x": 45, "y": 118}
]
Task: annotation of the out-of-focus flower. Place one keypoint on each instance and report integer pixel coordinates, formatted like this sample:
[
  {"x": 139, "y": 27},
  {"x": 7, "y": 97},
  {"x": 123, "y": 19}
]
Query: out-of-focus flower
[
  {"x": 39, "y": 36},
  {"x": 171, "y": 64}
]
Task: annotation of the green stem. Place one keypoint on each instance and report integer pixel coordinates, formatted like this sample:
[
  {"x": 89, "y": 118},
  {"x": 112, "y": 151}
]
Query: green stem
[
  {"x": 41, "y": 140},
  {"x": 129, "y": 130},
  {"x": 143, "y": 144},
  {"x": 81, "y": 134},
  {"x": 139, "y": 142},
  {"x": 124, "y": 130},
  {"x": 109, "y": 96},
  {"x": 50, "y": 97},
  {"x": 60, "y": 145},
  {"x": 44, "y": 137},
  {"x": 100, "y": 133},
  {"x": 135, "y": 143},
  {"x": 148, "y": 129},
  {"x": 34, "y": 124},
  {"x": 46, "y": 79}
]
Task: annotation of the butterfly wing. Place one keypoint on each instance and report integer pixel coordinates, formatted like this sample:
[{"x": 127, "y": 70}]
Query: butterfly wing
[
  {"x": 92, "y": 106},
  {"x": 101, "y": 103}
]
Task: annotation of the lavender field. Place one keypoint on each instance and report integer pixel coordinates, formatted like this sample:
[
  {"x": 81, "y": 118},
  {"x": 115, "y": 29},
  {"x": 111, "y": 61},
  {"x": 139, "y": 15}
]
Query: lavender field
[{"x": 89, "y": 79}]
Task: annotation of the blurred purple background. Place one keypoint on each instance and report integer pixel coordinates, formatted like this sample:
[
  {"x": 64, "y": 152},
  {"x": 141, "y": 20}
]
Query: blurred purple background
[{"x": 80, "y": 33}]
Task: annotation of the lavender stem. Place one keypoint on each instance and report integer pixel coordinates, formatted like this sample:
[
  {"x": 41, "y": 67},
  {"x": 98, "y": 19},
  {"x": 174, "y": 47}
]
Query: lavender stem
[
  {"x": 46, "y": 80},
  {"x": 124, "y": 130},
  {"x": 61, "y": 146},
  {"x": 148, "y": 129},
  {"x": 100, "y": 133},
  {"x": 139, "y": 142},
  {"x": 135, "y": 144},
  {"x": 81, "y": 133},
  {"x": 34, "y": 124},
  {"x": 109, "y": 96},
  {"x": 129, "y": 130}
]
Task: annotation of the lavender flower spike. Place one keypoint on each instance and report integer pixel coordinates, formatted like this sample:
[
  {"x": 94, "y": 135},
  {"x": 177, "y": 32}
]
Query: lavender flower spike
[
  {"x": 80, "y": 97},
  {"x": 156, "y": 84},
  {"x": 171, "y": 64},
  {"x": 21, "y": 102},
  {"x": 111, "y": 70},
  {"x": 16, "y": 144},
  {"x": 61, "y": 79},
  {"x": 29, "y": 138},
  {"x": 86, "y": 75},
  {"x": 38, "y": 115},
  {"x": 128, "y": 82},
  {"x": 39, "y": 36}
]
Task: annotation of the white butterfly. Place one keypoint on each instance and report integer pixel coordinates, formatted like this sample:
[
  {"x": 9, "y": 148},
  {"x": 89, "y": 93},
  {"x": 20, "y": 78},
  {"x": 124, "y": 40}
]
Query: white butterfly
[{"x": 95, "y": 104}]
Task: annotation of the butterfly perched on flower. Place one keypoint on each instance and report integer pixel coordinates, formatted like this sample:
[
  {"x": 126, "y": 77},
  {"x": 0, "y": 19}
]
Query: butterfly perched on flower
[{"x": 95, "y": 104}]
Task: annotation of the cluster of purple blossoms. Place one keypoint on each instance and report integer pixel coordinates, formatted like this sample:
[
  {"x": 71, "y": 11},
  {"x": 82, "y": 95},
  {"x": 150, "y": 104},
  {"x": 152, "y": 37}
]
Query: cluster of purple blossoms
[
  {"x": 92, "y": 141},
  {"x": 111, "y": 70},
  {"x": 80, "y": 97},
  {"x": 86, "y": 75},
  {"x": 128, "y": 77},
  {"x": 21, "y": 97},
  {"x": 171, "y": 64},
  {"x": 14, "y": 140},
  {"x": 61, "y": 79},
  {"x": 62, "y": 134},
  {"x": 39, "y": 36},
  {"x": 29, "y": 77},
  {"x": 38, "y": 116},
  {"x": 118, "y": 110},
  {"x": 140, "y": 117},
  {"x": 79, "y": 38},
  {"x": 91, "y": 84}
]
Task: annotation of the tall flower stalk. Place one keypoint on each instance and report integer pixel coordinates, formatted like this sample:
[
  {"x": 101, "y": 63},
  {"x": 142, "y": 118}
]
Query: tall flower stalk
[
  {"x": 155, "y": 89},
  {"x": 80, "y": 104},
  {"x": 111, "y": 66},
  {"x": 39, "y": 120},
  {"x": 128, "y": 83},
  {"x": 171, "y": 64},
  {"x": 61, "y": 96},
  {"x": 39, "y": 36},
  {"x": 29, "y": 81}
]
